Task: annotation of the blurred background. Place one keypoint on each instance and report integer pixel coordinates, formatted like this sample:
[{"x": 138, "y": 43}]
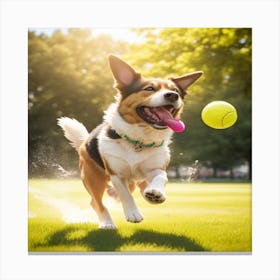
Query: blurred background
[{"x": 69, "y": 75}]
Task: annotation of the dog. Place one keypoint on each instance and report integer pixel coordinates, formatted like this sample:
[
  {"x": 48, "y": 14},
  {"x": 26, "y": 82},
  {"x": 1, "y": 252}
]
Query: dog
[{"x": 131, "y": 147}]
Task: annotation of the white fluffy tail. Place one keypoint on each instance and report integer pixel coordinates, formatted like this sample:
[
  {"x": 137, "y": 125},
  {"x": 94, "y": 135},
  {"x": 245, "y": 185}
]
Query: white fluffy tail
[{"x": 74, "y": 131}]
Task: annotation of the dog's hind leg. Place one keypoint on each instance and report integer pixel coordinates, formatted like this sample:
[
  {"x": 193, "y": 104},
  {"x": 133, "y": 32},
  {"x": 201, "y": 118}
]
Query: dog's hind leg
[
  {"x": 105, "y": 220},
  {"x": 95, "y": 181}
]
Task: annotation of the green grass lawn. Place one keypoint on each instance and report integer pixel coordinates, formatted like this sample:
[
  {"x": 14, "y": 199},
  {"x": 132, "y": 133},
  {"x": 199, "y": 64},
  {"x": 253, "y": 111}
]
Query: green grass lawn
[{"x": 197, "y": 217}]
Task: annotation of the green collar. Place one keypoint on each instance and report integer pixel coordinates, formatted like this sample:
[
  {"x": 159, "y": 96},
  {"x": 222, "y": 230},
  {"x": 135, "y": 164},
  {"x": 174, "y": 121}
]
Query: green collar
[{"x": 139, "y": 145}]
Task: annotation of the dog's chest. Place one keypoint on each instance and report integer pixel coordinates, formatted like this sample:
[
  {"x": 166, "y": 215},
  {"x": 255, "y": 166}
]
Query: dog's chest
[{"x": 125, "y": 160}]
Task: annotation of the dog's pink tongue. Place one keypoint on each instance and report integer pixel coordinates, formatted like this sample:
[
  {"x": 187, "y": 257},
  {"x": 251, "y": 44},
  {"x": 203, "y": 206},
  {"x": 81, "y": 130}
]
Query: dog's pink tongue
[{"x": 175, "y": 124}]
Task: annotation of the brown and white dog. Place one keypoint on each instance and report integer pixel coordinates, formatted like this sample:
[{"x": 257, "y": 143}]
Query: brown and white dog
[{"x": 130, "y": 148}]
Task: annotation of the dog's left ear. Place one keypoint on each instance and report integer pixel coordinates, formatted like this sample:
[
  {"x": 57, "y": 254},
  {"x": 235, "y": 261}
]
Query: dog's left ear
[
  {"x": 185, "y": 81},
  {"x": 124, "y": 74}
]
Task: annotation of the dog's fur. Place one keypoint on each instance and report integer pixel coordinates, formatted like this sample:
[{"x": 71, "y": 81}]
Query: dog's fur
[{"x": 130, "y": 148}]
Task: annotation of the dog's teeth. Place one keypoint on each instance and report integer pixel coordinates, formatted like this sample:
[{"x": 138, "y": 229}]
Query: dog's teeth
[
  {"x": 146, "y": 110},
  {"x": 150, "y": 115}
]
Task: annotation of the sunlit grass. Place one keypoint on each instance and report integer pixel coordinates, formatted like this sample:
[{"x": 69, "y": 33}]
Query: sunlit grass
[{"x": 213, "y": 217}]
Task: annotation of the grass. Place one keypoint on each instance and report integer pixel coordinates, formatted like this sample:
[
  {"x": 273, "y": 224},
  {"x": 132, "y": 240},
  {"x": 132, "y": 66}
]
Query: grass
[{"x": 197, "y": 217}]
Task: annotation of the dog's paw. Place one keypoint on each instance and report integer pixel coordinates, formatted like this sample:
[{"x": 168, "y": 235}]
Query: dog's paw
[
  {"x": 105, "y": 220},
  {"x": 154, "y": 195},
  {"x": 133, "y": 216},
  {"x": 110, "y": 226}
]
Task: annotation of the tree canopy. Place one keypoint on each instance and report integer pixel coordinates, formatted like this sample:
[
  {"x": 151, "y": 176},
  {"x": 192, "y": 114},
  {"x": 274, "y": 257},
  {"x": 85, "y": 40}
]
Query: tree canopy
[
  {"x": 225, "y": 57},
  {"x": 68, "y": 75}
]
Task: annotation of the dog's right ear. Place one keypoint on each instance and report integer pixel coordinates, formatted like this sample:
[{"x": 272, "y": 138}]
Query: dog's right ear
[{"x": 124, "y": 74}]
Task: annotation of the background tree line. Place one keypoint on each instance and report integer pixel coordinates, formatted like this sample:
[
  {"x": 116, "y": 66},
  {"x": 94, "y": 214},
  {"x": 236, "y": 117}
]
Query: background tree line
[{"x": 68, "y": 75}]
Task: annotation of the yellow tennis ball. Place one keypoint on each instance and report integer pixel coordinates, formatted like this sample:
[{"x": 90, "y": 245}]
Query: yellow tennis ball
[{"x": 219, "y": 114}]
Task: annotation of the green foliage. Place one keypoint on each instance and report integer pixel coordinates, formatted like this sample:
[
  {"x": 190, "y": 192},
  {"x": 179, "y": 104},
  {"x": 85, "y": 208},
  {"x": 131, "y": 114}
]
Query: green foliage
[
  {"x": 225, "y": 57},
  {"x": 68, "y": 75}
]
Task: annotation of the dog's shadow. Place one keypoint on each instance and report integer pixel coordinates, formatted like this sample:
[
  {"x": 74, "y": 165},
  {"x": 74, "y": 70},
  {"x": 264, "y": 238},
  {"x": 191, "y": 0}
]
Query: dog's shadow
[{"x": 112, "y": 241}]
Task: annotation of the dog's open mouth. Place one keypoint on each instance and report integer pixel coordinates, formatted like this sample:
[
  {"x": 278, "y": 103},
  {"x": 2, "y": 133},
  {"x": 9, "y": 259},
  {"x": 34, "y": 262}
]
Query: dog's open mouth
[{"x": 161, "y": 117}]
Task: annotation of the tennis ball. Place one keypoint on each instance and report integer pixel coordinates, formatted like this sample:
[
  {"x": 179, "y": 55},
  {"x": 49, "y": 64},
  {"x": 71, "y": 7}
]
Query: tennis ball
[{"x": 219, "y": 114}]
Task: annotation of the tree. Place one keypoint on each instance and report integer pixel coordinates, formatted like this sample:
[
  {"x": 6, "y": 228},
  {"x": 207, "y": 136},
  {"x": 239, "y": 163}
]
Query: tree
[
  {"x": 224, "y": 55},
  {"x": 68, "y": 75}
]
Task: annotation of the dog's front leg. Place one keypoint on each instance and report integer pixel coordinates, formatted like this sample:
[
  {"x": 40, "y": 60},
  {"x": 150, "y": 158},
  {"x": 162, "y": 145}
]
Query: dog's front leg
[
  {"x": 130, "y": 209},
  {"x": 155, "y": 191}
]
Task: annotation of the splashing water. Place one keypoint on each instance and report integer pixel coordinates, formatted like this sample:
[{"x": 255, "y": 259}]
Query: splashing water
[
  {"x": 63, "y": 172},
  {"x": 43, "y": 163},
  {"x": 194, "y": 172}
]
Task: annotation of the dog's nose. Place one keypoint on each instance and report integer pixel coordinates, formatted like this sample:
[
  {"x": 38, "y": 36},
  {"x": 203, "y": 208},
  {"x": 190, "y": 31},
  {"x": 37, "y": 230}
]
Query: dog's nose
[{"x": 171, "y": 96}]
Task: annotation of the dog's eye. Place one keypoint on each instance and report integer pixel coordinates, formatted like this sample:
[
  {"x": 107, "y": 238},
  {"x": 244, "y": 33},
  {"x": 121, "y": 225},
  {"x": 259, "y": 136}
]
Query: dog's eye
[
  {"x": 149, "y": 89},
  {"x": 176, "y": 90}
]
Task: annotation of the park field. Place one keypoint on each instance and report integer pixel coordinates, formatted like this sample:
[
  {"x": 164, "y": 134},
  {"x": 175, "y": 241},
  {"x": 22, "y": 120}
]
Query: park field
[{"x": 196, "y": 217}]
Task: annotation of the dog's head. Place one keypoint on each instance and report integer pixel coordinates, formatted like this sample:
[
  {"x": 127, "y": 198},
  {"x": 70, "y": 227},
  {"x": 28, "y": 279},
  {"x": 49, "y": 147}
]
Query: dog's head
[{"x": 154, "y": 103}]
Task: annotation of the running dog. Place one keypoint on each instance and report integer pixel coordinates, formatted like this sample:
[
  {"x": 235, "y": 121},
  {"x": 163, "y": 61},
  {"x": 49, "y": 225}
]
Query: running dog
[{"x": 131, "y": 147}]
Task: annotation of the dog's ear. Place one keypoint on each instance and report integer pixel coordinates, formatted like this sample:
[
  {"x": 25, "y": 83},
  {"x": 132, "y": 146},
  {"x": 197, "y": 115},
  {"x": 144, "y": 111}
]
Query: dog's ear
[
  {"x": 124, "y": 74},
  {"x": 185, "y": 81}
]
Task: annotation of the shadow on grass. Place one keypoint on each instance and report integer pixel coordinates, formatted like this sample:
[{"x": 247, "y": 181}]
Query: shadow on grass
[{"x": 112, "y": 241}]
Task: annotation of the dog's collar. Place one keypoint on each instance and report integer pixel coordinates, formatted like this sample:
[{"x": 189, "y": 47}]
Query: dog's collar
[{"x": 138, "y": 145}]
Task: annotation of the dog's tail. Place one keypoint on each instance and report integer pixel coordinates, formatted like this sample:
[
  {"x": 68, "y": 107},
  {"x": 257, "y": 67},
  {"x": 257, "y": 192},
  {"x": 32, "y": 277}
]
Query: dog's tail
[{"x": 74, "y": 131}]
